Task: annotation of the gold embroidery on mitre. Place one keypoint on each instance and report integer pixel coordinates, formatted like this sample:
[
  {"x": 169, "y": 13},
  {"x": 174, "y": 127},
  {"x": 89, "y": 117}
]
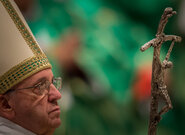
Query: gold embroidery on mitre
[
  {"x": 30, "y": 65},
  {"x": 22, "y": 71}
]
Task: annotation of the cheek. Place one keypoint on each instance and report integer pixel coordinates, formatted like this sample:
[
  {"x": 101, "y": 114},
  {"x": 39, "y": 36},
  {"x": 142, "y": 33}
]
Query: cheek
[
  {"x": 40, "y": 105},
  {"x": 31, "y": 106}
]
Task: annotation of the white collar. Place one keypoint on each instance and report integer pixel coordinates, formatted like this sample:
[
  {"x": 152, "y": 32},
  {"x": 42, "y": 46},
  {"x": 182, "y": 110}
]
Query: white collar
[{"x": 7, "y": 127}]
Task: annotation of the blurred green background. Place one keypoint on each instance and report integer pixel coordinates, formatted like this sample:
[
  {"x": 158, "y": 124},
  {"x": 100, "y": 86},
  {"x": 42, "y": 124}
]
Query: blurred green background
[{"x": 94, "y": 46}]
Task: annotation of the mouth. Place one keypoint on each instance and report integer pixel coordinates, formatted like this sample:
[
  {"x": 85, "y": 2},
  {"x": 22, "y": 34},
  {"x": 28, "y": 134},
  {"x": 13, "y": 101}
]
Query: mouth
[{"x": 55, "y": 110}]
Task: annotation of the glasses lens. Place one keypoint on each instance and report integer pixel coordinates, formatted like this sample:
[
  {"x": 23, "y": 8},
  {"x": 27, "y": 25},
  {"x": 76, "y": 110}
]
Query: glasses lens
[
  {"x": 38, "y": 91},
  {"x": 57, "y": 82},
  {"x": 40, "y": 88}
]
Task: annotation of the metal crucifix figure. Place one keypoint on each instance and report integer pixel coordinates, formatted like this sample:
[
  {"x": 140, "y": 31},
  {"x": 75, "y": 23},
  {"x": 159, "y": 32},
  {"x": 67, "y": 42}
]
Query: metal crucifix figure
[{"x": 159, "y": 89}]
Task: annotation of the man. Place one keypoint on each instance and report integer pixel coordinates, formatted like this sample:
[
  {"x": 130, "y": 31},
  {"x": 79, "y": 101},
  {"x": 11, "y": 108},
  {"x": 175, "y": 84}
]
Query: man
[{"x": 28, "y": 90}]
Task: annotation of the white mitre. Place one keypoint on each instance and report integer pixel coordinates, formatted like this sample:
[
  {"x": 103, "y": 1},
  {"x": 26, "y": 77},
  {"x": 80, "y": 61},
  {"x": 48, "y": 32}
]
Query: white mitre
[{"x": 20, "y": 54}]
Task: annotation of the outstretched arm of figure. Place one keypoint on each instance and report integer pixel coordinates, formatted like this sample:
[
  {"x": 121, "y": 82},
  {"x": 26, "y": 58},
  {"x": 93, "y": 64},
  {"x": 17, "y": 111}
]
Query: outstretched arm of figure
[
  {"x": 168, "y": 12},
  {"x": 149, "y": 44},
  {"x": 173, "y": 38}
]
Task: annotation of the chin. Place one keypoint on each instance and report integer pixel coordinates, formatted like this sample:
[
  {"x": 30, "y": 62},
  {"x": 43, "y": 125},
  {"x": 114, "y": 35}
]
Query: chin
[{"x": 56, "y": 123}]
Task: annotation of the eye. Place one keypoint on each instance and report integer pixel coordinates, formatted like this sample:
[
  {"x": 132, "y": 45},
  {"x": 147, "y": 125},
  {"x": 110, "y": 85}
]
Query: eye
[
  {"x": 39, "y": 85},
  {"x": 39, "y": 88}
]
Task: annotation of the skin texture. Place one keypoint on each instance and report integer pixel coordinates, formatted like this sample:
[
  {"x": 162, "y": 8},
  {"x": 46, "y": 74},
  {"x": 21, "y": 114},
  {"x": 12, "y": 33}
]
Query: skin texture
[{"x": 39, "y": 114}]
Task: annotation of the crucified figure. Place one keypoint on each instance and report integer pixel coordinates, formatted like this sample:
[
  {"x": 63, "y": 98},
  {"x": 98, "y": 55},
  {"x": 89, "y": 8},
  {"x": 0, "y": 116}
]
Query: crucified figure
[{"x": 159, "y": 89}]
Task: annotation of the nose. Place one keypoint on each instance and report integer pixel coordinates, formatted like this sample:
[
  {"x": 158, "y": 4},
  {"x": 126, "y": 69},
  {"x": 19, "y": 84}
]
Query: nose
[{"x": 54, "y": 94}]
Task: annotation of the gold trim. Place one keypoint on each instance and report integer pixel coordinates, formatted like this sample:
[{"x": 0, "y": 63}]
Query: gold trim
[
  {"x": 22, "y": 28},
  {"x": 23, "y": 70}
]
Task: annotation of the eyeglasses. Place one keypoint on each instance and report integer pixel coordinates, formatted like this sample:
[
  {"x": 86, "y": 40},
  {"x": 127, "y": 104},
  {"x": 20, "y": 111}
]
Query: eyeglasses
[{"x": 43, "y": 87}]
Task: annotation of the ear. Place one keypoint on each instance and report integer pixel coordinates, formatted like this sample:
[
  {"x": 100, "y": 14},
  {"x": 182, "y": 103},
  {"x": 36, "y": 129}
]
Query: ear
[{"x": 6, "y": 109}]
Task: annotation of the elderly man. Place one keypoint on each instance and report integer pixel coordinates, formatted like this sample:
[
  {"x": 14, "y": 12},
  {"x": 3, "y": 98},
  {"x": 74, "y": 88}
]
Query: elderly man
[{"x": 28, "y": 90}]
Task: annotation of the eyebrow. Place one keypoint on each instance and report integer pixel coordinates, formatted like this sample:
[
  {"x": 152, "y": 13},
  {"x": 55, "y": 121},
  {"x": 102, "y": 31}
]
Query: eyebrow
[{"x": 40, "y": 80}]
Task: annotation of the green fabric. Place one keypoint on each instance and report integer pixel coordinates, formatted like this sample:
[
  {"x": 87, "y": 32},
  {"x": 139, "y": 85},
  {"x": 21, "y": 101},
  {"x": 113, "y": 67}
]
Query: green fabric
[{"x": 112, "y": 31}]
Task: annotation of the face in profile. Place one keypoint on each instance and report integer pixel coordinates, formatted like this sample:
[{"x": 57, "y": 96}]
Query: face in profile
[{"x": 39, "y": 113}]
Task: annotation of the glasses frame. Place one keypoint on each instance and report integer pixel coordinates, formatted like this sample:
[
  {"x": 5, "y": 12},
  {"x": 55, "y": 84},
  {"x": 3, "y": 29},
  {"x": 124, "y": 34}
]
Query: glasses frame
[{"x": 42, "y": 86}]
